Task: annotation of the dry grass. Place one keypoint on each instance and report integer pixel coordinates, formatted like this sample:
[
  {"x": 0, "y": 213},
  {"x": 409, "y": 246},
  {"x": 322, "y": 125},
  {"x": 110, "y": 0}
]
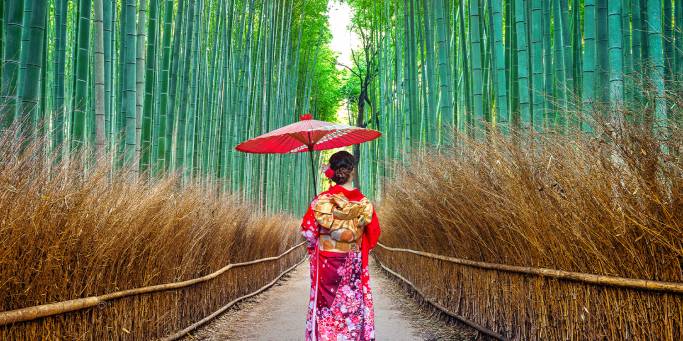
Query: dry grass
[
  {"x": 67, "y": 235},
  {"x": 610, "y": 205}
]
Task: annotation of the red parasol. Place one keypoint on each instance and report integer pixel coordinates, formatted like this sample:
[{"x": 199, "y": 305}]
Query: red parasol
[{"x": 307, "y": 135}]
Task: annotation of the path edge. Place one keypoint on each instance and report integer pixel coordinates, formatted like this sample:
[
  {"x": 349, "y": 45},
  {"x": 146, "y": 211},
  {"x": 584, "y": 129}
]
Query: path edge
[{"x": 221, "y": 310}]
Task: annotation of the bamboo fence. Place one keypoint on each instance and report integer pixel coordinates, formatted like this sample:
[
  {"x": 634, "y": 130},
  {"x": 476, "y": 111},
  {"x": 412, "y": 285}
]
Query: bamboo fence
[
  {"x": 526, "y": 303},
  {"x": 150, "y": 312}
]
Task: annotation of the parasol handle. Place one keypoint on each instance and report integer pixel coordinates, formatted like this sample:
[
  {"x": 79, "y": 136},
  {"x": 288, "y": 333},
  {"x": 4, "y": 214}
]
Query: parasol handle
[{"x": 310, "y": 154}]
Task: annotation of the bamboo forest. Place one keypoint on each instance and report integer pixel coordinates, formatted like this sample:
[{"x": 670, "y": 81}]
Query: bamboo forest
[{"x": 528, "y": 179}]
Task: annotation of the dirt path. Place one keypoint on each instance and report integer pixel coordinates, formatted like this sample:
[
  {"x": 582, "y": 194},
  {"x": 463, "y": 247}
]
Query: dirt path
[{"x": 280, "y": 313}]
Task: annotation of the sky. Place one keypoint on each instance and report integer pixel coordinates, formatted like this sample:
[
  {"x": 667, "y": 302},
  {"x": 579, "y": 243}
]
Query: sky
[{"x": 343, "y": 40}]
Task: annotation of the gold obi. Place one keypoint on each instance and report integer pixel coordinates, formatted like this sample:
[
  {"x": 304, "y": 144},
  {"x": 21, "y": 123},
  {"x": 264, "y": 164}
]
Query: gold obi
[{"x": 341, "y": 221}]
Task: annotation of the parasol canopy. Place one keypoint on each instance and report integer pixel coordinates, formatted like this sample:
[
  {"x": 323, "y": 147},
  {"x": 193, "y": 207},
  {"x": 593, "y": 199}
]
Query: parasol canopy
[{"x": 307, "y": 135}]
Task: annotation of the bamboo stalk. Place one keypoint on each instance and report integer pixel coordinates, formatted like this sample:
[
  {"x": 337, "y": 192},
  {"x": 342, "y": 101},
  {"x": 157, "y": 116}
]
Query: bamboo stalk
[
  {"x": 80, "y": 79},
  {"x": 631, "y": 283},
  {"x": 99, "y": 76},
  {"x": 10, "y": 60},
  {"x": 57, "y": 308}
]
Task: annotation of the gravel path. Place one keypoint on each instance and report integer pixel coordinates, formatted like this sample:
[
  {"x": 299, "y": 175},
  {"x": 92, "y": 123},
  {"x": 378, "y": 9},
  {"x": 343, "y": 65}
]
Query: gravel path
[{"x": 279, "y": 314}]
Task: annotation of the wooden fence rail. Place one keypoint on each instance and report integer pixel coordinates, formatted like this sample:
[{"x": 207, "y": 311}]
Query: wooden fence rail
[
  {"x": 180, "y": 334},
  {"x": 532, "y": 303},
  {"x": 440, "y": 307},
  {"x": 57, "y": 308},
  {"x": 641, "y": 284}
]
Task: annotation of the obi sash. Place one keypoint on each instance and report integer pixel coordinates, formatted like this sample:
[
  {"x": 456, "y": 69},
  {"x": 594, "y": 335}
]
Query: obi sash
[{"x": 341, "y": 221}]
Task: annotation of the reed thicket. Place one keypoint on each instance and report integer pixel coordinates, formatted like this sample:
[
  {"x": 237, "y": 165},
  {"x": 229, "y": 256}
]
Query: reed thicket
[
  {"x": 610, "y": 203},
  {"x": 69, "y": 233}
]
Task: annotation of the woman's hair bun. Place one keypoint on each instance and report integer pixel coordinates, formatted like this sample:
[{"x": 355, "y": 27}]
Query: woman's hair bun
[{"x": 342, "y": 163}]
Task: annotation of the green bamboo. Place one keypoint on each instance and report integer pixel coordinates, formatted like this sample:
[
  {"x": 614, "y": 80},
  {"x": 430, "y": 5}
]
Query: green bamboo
[
  {"x": 523, "y": 65},
  {"x": 565, "y": 29},
  {"x": 29, "y": 91},
  {"x": 43, "y": 118},
  {"x": 636, "y": 36},
  {"x": 99, "y": 76},
  {"x": 11, "y": 61},
  {"x": 140, "y": 61},
  {"x": 626, "y": 48},
  {"x": 229, "y": 70},
  {"x": 413, "y": 123},
  {"x": 108, "y": 27},
  {"x": 119, "y": 129},
  {"x": 193, "y": 116},
  {"x": 560, "y": 61},
  {"x": 668, "y": 39},
  {"x": 467, "y": 93},
  {"x": 181, "y": 130},
  {"x": 678, "y": 50},
  {"x": 431, "y": 89},
  {"x": 198, "y": 115},
  {"x": 78, "y": 114},
  {"x": 499, "y": 58},
  {"x": 589, "y": 59},
  {"x": 513, "y": 61},
  {"x": 548, "y": 76},
  {"x": 678, "y": 32},
  {"x": 2, "y": 30},
  {"x": 24, "y": 120},
  {"x": 575, "y": 48},
  {"x": 247, "y": 71},
  {"x": 602, "y": 53},
  {"x": 210, "y": 136},
  {"x": 537, "y": 95},
  {"x": 239, "y": 175},
  {"x": 446, "y": 92},
  {"x": 477, "y": 77},
  {"x": 616, "y": 57},
  {"x": 656, "y": 55},
  {"x": 166, "y": 124},
  {"x": 205, "y": 78},
  {"x": 128, "y": 105},
  {"x": 148, "y": 110},
  {"x": 644, "y": 33}
]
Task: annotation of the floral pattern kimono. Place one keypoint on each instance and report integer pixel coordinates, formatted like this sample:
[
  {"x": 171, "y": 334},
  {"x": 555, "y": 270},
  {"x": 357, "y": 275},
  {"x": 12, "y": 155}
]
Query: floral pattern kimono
[{"x": 340, "y": 306}]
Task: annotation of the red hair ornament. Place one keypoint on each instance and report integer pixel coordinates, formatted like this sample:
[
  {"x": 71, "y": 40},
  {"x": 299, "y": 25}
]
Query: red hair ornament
[{"x": 329, "y": 172}]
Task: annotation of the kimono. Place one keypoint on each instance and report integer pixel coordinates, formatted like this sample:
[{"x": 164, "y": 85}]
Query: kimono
[{"x": 340, "y": 305}]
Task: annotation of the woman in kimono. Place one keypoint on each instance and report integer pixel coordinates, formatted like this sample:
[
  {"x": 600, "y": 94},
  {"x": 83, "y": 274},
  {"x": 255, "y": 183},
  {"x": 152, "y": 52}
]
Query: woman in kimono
[{"x": 341, "y": 227}]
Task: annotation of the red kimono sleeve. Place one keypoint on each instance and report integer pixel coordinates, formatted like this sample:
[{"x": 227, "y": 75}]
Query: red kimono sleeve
[
  {"x": 370, "y": 237},
  {"x": 309, "y": 229}
]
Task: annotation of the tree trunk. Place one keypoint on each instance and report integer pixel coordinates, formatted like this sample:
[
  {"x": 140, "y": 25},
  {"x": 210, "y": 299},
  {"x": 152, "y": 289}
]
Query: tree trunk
[{"x": 360, "y": 123}]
